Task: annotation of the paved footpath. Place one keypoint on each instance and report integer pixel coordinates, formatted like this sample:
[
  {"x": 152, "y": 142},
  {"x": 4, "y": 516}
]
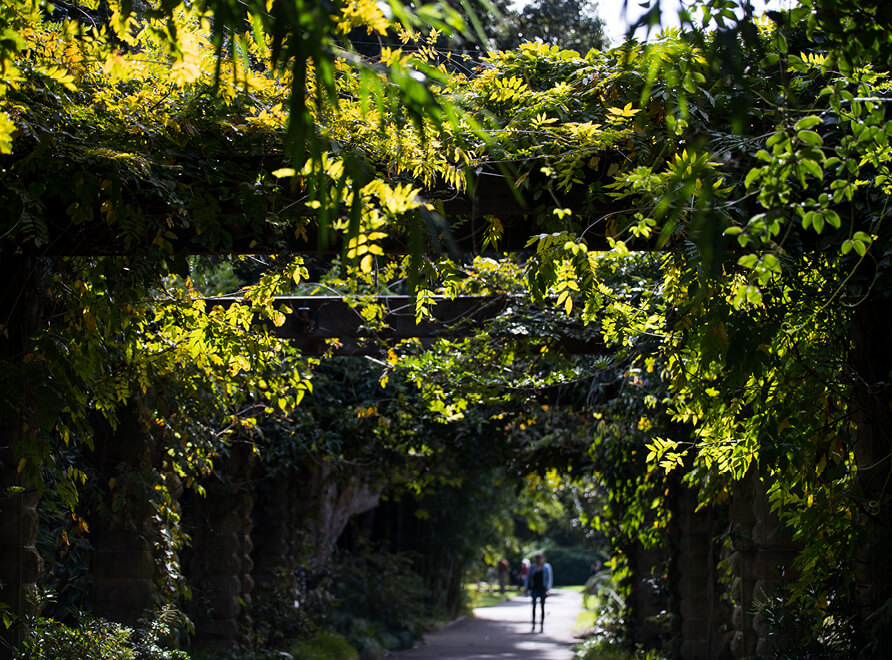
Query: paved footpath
[{"x": 502, "y": 632}]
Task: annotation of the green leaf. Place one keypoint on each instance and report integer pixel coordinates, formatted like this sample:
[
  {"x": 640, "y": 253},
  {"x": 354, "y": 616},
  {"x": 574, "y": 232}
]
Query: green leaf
[
  {"x": 771, "y": 263},
  {"x": 781, "y": 42},
  {"x": 861, "y": 236},
  {"x": 753, "y": 295},
  {"x": 752, "y": 175},
  {"x": 810, "y": 138},
  {"x": 807, "y": 122},
  {"x": 812, "y": 167},
  {"x": 748, "y": 260},
  {"x": 833, "y": 218}
]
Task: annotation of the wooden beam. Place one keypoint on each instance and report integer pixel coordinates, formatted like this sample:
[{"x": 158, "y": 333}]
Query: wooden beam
[
  {"x": 314, "y": 320},
  {"x": 457, "y": 226}
]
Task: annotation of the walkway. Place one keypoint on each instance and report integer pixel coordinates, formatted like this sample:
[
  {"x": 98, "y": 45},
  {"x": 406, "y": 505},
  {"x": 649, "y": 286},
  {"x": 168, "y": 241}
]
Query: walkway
[{"x": 502, "y": 632}]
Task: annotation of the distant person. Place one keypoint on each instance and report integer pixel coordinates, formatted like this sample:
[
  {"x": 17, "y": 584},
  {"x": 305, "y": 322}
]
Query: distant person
[
  {"x": 504, "y": 569},
  {"x": 592, "y": 585},
  {"x": 524, "y": 571},
  {"x": 538, "y": 585}
]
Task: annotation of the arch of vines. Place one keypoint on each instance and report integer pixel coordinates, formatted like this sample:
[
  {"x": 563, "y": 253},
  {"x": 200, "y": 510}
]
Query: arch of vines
[{"x": 755, "y": 158}]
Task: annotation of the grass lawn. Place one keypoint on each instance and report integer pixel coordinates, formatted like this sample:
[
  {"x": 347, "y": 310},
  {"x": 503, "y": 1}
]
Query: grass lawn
[
  {"x": 586, "y": 617},
  {"x": 480, "y": 596}
]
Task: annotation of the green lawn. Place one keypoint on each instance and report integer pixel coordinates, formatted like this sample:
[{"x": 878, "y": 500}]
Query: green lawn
[
  {"x": 587, "y": 616},
  {"x": 480, "y": 596}
]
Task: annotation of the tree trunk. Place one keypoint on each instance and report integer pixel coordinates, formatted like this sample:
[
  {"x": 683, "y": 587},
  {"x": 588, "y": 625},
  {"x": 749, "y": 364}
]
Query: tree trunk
[{"x": 332, "y": 499}]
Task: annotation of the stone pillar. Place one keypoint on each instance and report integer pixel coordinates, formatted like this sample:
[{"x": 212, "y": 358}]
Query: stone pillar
[
  {"x": 759, "y": 556},
  {"x": 771, "y": 561},
  {"x": 738, "y": 562},
  {"x": 20, "y": 564},
  {"x": 871, "y": 409},
  {"x": 220, "y": 566},
  {"x": 648, "y": 601},
  {"x": 123, "y": 575},
  {"x": 275, "y": 529},
  {"x": 21, "y": 312},
  {"x": 702, "y": 619},
  {"x": 123, "y": 566}
]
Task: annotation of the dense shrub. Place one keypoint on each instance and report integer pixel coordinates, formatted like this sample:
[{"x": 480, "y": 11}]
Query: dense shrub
[
  {"x": 93, "y": 638},
  {"x": 325, "y": 645},
  {"x": 278, "y": 619},
  {"x": 571, "y": 563},
  {"x": 379, "y": 594}
]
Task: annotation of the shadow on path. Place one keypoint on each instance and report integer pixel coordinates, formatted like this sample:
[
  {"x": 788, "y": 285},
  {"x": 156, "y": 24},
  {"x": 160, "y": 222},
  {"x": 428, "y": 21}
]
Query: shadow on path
[{"x": 502, "y": 632}]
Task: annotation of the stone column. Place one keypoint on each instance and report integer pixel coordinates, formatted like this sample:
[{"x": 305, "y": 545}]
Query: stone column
[
  {"x": 770, "y": 563},
  {"x": 220, "y": 567},
  {"x": 649, "y": 600},
  {"x": 20, "y": 564},
  {"x": 759, "y": 558},
  {"x": 123, "y": 566},
  {"x": 871, "y": 409},
  {"x": 702, "y": 619},
  {"x": 739, "y": 552},
  {"x": 21, "y": 311},
  {"x": 275, "y": 528}
]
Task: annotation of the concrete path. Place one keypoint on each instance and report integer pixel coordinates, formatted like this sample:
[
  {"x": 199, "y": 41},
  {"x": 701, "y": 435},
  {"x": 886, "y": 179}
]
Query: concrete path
[{"x": 502, "y": 632}]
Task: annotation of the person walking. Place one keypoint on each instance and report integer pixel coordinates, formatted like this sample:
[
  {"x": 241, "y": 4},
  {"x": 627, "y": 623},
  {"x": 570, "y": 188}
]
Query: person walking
[
  {"x": 504, "y": 569},
  {"x": 538, "y": 584}
]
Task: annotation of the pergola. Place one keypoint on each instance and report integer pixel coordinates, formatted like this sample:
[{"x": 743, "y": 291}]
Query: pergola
[{"x": 456, "y": 228}]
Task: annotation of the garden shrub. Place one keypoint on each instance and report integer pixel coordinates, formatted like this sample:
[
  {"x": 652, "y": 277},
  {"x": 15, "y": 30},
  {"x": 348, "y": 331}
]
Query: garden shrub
[
  {"x": 379, "y": 594},
  {"x": 325, "y": 645},
  {"x": 602, "y": 649},
  {"x": 571, "y": 563},
  {"x": 94, "y": 638}
]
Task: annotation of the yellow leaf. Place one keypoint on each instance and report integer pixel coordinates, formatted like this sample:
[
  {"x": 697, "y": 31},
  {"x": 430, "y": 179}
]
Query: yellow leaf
[{"x": 7, "y": 128}]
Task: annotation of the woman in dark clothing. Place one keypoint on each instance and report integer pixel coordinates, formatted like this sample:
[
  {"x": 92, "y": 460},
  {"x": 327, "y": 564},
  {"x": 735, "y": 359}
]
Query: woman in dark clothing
[{"x": 538, "y": 584}]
